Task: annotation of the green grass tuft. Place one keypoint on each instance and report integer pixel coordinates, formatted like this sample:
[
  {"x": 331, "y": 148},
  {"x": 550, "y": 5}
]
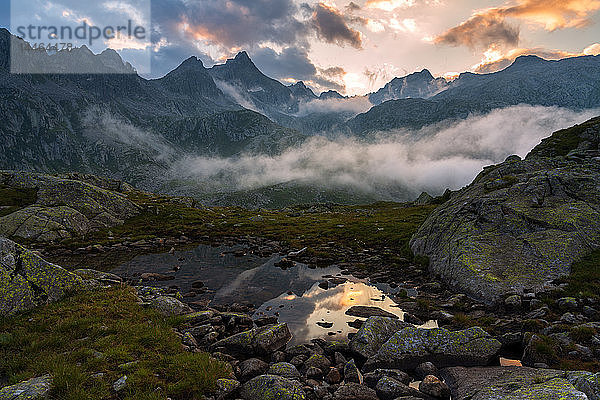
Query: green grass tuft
[{"x": 96, "y": 332}]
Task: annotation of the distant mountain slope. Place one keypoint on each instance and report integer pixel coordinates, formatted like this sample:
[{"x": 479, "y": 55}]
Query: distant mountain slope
[
  {"x": 417, "y": 85},
  {"x": 122, "y": 125},
  {"x": 572, "y": 83}
]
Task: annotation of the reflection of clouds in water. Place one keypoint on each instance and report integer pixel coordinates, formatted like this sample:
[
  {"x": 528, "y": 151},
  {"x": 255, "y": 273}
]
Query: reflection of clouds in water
[
  {"x": 267, "y": 281},
  {"x": 319, "y": 305}
]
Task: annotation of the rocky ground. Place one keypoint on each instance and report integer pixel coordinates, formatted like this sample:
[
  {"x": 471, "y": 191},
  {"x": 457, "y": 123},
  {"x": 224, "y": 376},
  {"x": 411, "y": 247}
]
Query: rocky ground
[{"x": 509, "y": 267}]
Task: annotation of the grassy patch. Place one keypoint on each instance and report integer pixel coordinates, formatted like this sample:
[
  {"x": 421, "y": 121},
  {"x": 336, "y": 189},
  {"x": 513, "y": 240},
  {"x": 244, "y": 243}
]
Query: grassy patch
[
  {"x": 12, "y": 199},
  {"x": 84, "y": 340},
  {"x": 324, "y": 230},
  {"x": 563, "y": 141},
  {"x": 584, "y": 279},
  {"x": 582, "y": 334}
]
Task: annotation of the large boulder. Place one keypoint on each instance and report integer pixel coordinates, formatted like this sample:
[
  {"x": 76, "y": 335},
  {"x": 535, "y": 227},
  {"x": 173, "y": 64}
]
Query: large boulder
[
  {"x": 518, "y": 383},
  {"x": 522, "y": 223},
  {"x": 411, "y": 346},
  {"x": 27, "y": 280},
  {"x": 33, "y": 389},
  {"x": 374, "y": 333},
  {"x": 260, "y": 341},
  {"x": 65, "y": 206},
  {"x": 272, "y": 387}
]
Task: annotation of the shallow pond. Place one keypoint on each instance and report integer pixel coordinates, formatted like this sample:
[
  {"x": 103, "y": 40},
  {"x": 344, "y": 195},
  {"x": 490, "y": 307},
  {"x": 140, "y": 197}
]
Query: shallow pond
[{"x": 293, "y": 295}]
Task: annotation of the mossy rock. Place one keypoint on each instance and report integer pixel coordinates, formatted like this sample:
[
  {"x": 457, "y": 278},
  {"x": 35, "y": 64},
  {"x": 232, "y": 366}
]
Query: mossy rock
[
  {"x": 411, "y": 346},
  {"x": 521, "y": 224},
  {"x": 27, "y": 280},
  {"x": 516, "y": 383},
  {"x": 63, "y": 206},
  {"x": 374, "y": 333},
  {"x": 272, "y": 387},
  {"x": 33, "y": 389}
]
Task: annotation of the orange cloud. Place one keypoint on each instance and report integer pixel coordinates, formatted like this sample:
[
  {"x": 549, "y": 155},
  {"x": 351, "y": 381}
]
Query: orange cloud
[
  {"x": 494, "y": 60},
  {"x": 553, "y": 14},
  {"x": 489, "y": 26}
]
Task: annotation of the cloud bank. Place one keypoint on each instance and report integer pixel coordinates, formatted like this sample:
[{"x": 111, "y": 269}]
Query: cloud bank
[{"x": 396, "y": 165}]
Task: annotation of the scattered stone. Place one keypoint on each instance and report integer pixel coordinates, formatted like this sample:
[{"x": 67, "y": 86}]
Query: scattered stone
[
  {"x": 251, "y": 368},
  {"x": 567, "y": 303},
  {"x": 314, "y": 373},
  {"x": 371, "y": 378},
  {"x": 285, "y": 370},
  {"x": 434, "y": 387},
  {"x": 153, "y": 276},
  {"x": 354, "y": 391},
  {"x": 352, "y": 373},
  {"x": 333, "y": 376},
  {"x": 271, "y": 320},
  {"x": 170, "y": 306},
  {"x": 32, "y": 389},
  {"x": 513, "y": 302},
  {"x": 424, "y": 369},
  {"x": 120, "y": 384},
  {"x": 272, "y": 387},
  {"x": 318, "y": 361},
  {"x": 390, "y": 389}
]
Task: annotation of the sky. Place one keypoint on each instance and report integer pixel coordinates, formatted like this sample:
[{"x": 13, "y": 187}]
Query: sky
[{"x": 355, "y": 47}]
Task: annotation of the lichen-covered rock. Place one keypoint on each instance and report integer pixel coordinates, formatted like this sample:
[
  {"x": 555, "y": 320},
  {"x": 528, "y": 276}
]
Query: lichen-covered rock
[
  {"x": 271, "y": 338},
  {"x": 318, "y": 361},
  {"x": 411, "y": 346},
  {"x": 33, "y": 389},
  {"x": 27, "y": 280},
  {"x": 522, "y": 223},
  {"x": 373, "y": 377},
  {"x": 65, "y": 206},
  {"x": 251, "y": 368},
  {"x": 272, "y": 387},
  {"x": 255, "y": 342},
  {"x": 354, "y": 391},
  {"x": 390, "y": 389},
  {"x": 586, "y": 382},
  {"x": 103, "y": 278},
  {"x": 227, "y": 388},
  {"x": 373, "y": 334},
  {"x": 510, "y": 383},
  {"x": 169, "y": 306},
  {"x": 284, "y": 369}
]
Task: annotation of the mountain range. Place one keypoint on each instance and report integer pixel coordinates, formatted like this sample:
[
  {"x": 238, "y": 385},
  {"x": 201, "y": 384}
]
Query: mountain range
[{"x": 118, "y": 124}]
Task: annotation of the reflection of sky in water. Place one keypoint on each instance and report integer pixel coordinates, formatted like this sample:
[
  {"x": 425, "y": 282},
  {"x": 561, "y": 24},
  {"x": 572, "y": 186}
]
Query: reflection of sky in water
[
  {"x": 318, "y": 305},
  {"x": 293, "y": 293}
]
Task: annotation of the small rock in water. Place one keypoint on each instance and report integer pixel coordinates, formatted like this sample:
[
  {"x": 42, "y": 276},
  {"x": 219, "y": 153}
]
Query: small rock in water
[
  {"x": 367, "y": 311},
  {"x": 324, "y": 324}
]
